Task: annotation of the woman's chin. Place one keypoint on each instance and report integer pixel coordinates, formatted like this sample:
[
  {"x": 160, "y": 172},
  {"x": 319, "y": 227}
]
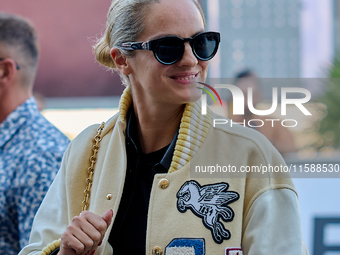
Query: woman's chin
[{"x": 195, "y": 93}]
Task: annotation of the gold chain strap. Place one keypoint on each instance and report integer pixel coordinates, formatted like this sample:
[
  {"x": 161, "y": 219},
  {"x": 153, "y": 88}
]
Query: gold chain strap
[{"x": 90, "y": 170}]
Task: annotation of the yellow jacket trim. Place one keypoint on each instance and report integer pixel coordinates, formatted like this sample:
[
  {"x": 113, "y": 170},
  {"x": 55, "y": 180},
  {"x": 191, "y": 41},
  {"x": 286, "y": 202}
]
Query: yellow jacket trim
[
  {"x": 193, "y": 130},
  {"x": 51, "y": 247}
]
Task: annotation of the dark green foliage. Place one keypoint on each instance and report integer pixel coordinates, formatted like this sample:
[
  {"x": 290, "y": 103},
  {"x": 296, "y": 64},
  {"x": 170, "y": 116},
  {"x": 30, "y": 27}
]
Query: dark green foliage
[{"x": 329, "y": 126}]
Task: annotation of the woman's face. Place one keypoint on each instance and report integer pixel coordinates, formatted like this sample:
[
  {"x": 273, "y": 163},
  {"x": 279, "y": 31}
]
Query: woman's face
[{"x": 159, "y": 84}]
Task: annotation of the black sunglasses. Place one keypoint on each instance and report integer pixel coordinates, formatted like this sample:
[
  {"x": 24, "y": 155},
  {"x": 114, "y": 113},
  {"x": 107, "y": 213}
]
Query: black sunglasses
[
  {"x": 170, "y": 49},
  {"x": 16, "y": 64}
]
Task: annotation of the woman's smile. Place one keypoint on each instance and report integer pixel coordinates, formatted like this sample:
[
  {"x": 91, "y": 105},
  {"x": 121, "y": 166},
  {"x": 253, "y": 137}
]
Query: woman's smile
[{"x": 185, "y": 78}]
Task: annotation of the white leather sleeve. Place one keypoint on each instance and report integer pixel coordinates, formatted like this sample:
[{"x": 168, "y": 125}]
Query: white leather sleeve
[{"x": 272, "y": 225}]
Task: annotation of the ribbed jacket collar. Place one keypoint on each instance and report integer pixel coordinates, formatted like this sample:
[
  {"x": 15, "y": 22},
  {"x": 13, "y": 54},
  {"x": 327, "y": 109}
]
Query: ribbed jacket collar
[{"x": 193, "y": 130}]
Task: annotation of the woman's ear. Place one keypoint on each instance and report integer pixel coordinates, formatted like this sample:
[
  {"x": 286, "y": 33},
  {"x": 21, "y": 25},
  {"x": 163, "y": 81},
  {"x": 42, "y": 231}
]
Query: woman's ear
[{"x": 120, "y": 61}]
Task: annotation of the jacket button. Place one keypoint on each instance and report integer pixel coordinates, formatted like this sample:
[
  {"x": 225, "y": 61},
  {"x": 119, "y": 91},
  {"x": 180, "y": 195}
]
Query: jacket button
[
  {"x": 109, "y": 196},
  {"x": 157, "y": 251},
  {"x": 163, "y": 183}
]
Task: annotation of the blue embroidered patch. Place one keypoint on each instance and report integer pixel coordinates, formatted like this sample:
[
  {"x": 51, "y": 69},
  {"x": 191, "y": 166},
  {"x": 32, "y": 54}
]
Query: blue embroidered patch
[
  {"x": 188, "y": 246},
  {"x": 210, "y": 203}
]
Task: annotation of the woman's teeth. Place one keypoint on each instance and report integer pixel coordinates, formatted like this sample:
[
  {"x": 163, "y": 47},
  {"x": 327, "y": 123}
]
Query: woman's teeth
[{"x": 191, "y": 77}]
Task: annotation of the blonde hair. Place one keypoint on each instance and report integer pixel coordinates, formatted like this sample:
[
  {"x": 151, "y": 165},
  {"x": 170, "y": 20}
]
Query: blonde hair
[{"x": 125, "y": 23}]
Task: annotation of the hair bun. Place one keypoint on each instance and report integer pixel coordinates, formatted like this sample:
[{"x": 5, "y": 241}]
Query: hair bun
[{"x": 102, "y": 52}]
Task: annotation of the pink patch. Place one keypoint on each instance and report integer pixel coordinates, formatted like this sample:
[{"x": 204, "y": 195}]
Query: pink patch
[{"x": 233, "y": 251}]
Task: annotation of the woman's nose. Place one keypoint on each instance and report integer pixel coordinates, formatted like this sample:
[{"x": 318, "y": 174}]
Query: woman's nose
[{"x": 188, "y": 58}]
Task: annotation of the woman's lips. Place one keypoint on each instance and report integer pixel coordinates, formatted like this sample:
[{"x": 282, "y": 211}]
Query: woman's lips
[{"x": 184, "y": 78}]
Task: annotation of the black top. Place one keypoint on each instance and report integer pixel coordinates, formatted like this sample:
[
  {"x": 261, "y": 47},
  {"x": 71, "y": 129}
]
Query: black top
[{"x": 128, "y": 234}]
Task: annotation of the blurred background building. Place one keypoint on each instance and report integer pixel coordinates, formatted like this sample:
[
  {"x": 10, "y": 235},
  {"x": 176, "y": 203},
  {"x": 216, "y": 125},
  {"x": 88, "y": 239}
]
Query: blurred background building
[
  {"x": 284, "y": 40},
  {"x": 279, "y": 39},
  {"x": 263, "y": 34},
  {"x": 67, "y": 30}
]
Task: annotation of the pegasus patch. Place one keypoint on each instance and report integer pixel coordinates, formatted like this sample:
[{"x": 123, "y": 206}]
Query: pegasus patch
[
  {"x": 208, "y": 202},
  {"x": 187, "y": 246}
]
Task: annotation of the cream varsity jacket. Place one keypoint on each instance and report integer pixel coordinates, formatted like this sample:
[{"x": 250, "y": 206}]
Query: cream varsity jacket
[{"x": 191, "y": 211}]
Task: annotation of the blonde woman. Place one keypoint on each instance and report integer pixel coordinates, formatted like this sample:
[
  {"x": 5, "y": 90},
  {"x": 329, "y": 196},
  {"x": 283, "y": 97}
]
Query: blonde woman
[{"x": 139, "y": 197}]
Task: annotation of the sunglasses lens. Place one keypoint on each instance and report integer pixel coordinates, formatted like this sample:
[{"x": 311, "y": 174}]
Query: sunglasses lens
[
  {"x": 205, "y": 45},
  {"x": 169, "y": 50}
]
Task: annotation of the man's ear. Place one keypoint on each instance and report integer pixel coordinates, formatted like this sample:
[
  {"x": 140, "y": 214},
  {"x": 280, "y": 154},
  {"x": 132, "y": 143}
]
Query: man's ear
[
  {"x": 120, "y": 61},
  {"x": 7, "y": 70},
  {"x": 2, "y": 71}
]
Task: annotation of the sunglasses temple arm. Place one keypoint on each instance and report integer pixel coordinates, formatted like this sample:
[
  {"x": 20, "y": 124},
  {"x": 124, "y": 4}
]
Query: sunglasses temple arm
[{"x": 135, "y": 46}]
